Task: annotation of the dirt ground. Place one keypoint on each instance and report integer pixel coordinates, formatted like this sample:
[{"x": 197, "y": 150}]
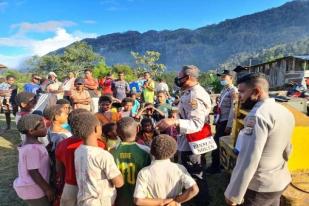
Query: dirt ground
[{"x": 8, "y": 171}]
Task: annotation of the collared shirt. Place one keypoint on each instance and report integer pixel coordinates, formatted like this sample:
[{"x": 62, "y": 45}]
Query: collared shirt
[
  {"x": 262, "y": 161},
  {"x": 171, "y": 181},
  {"x": 194, "y": 109}
]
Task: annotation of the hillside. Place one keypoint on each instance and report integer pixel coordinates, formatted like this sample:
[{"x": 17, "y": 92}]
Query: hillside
[
  {"x": 295, "y": 48},
  {"x": 210, "y": 46}
]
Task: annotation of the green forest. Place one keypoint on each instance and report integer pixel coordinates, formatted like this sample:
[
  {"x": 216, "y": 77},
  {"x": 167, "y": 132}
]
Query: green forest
[{"x": 80, "y": 55}]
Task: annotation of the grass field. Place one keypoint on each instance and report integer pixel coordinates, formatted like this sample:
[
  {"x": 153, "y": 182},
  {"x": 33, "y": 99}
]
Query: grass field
[{"x": 8, "y": 171}]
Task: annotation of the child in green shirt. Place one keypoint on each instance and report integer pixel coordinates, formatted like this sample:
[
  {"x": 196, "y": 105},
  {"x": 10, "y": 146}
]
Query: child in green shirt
[{"x": 130, "y": 158}]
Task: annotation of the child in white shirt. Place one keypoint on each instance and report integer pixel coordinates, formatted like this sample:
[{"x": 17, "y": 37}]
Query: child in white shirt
[{"x": 97, "y": 174}]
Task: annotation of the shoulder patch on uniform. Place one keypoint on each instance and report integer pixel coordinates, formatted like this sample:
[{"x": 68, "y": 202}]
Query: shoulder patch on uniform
[
  {"x": 250, "y": 122},
  {"x": 249, "y": 125},
  {"x": 194, "y": 103}
]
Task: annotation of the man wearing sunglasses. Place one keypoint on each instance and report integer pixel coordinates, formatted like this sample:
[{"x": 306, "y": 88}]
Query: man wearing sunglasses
[{"x": 34, "y": 85}]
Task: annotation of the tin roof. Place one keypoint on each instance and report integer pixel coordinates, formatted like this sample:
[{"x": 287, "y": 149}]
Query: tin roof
[{"x": 302, "y": 57}]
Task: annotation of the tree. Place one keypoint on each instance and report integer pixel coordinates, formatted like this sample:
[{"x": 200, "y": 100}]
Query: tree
[
  {"x": 169, "y": 78},
  {"x": 210, "y": 81},
  {"x": 43, "y": 64},
  {"x": 101, "y": 69},
  {"x": 148, "y": 63},
  {"x": 21, "y": 77},
  {"x": 75, "y": 59},
  {"x": 126, "y": 69}
]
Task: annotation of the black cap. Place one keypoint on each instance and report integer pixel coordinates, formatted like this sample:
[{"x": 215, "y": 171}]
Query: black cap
[
  {"x": 240, "y": 69},
  {"x": 226, "y": 72}
]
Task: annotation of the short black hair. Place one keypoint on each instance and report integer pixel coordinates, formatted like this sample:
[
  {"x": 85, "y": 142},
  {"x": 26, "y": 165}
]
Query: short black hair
[
  {"x": 121, "y": 72},
  {"x": 10, "y": 76},
  {"x": 127, "y": 100},
  {"x": 163, "y": 147},
  {"x": 108, "y": 127},
  {"x": 24, "y": 97},
  {"x": 250, "y": 77},
  {"x": 88, "y": 70},
  {"x": 84, "y": 125},
  {"x": 148, "y": 104},
  {"x": 170, "y": 112},
  {"x": 46, "y": 112},
  {"x": 54, "y": 111},
  {"x": 74, "y": 113},
  {"x": 105, "y": 98},
  {"x": 161, "y": 92},
  {"x": 127, "y": 127},
  {"x": 132, "y": 93},
  {"x": 146, "y": 120},
  {"x": 253, "y": 79},
  {"x": 63, "y": 101},
  {"x": 28, "y": 122}
]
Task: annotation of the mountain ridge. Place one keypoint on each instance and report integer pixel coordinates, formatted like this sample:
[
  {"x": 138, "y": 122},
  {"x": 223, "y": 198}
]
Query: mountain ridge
[{"x": 210, "y": 46}]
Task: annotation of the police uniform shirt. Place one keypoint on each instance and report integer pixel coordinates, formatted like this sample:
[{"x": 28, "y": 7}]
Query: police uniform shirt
[
  {"x": 194, "y": 108},
  {"x": 262, "y": 161},
  {"x": 227, "y": 104}
]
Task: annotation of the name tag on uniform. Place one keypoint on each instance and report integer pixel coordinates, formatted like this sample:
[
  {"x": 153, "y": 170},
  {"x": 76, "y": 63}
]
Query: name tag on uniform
[
  {"x": 202, "y": 141},
  {"x": 203, "y": 146}
]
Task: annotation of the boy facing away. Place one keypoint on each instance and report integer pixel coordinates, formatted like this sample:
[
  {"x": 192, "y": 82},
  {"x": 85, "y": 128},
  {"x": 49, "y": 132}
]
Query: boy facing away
[
  {"x": 130, "y": 158},
  {"x": 174, "y": 184},
  {"x": 65, "y": 162},
  {"x": 97, "y": 174}
]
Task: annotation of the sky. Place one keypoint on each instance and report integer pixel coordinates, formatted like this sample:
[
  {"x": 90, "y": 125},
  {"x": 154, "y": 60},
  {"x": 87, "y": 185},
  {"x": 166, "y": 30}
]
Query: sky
[{"x": 37, "y": 27}]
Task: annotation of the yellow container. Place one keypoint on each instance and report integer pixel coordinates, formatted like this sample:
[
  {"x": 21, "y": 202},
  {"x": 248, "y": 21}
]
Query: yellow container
[{"x": 299, "y": 159}]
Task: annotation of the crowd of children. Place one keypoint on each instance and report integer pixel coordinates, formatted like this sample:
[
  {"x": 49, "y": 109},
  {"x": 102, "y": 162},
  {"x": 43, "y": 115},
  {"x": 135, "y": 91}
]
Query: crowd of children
[{"x": 71, "y": 156}]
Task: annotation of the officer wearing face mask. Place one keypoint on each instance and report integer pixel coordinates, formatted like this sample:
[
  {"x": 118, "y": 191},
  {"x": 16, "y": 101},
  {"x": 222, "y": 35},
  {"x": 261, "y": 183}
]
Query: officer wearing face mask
[
  {"x": 224, "y": 114},
  {"x": 194, "y": 109},
  {"x": 261, "y": 173}
]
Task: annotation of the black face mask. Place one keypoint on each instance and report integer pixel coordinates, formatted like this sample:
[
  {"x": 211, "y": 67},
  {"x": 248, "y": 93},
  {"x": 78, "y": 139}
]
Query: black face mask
[
  {"x": 179, "y": 82},
  {"x": 248, "y": 104}
]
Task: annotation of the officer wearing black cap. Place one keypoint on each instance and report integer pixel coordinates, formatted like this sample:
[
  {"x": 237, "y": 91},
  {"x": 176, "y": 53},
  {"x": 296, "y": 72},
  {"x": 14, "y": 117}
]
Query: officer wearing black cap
[
  {"x": 224, "y": 114},
  {"x": 241, "y": 71}
]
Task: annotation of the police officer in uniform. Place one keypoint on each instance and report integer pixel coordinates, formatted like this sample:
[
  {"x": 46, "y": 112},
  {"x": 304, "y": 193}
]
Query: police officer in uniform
[
  {"x": 261, "y": 173},
  {"x": 194, "y": 109},
  {"x": 224, "y": 115}
]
